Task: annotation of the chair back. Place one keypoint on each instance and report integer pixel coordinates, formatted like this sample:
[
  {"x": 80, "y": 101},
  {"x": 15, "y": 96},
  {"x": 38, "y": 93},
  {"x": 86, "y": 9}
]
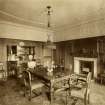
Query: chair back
[
  {"x": 89, "y": 80},
  {"x": 27, "y": 78},
  {"x": 88, "y": 83}
]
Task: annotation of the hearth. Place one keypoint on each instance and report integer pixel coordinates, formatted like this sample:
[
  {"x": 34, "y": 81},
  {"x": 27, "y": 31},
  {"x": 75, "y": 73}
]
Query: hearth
[{"x": 84, "y": 65}]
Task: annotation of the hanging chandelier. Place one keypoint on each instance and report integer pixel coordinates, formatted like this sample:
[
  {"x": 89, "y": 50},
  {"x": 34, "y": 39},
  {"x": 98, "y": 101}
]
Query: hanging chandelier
[{"x": 49, "y": 42}]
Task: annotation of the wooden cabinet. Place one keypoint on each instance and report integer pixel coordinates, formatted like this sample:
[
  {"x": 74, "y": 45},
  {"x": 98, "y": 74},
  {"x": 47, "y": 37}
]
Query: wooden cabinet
[
  {"x": 11, "y": 52},
  {"x": 12, "y": 68},
  {"x": 29, "y": 50},
  {"x": 25, "y": 51},
  {"x": 12, "y": 60}
]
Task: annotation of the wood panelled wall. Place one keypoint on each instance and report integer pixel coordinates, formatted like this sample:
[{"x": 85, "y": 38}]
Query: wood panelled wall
[{"x": 86, "y": 47}]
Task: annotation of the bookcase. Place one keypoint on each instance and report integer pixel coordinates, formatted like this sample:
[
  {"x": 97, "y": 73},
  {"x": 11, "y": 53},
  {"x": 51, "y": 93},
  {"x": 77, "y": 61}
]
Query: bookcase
[
  {"x": 11, "y": 60},
  {"x": 25, "y": 51}
]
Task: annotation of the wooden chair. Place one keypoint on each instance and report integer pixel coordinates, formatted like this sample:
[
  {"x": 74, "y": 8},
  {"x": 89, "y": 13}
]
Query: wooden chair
[
  {"x": 30, "y": 85},
  {"x": 2, "y": 72},
  {"x": 60, "y": 86},
  {"x": 83, "y": 91}
]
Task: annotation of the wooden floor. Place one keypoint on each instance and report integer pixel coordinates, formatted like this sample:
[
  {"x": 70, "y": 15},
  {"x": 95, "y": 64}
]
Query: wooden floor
[
  {"x": 98, "y": 94},
  {"x": 11, "y": 93}
]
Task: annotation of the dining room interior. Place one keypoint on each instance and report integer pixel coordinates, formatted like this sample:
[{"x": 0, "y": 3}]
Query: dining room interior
[{"x": 52, "y": 52}]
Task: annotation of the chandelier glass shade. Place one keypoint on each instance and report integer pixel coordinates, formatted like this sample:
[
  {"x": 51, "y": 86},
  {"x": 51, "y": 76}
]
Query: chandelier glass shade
[{"x": 49, "y": 42}]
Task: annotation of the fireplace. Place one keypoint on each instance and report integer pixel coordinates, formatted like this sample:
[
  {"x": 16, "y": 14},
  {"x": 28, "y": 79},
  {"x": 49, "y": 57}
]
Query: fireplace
[{"x": 84, "y": 65}]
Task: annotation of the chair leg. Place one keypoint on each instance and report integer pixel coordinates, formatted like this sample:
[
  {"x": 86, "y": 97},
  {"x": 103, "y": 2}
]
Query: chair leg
[
  {"x": 30, "y": 94},
  {"x": 66, "y": 97},
  {"x": 24, "y": 91},
  {"x": 88, "y": 98},
  {"x": 4, "y": 76},
  {"x": 85, "y": 101},
  {"x": 52, "y": 96}
]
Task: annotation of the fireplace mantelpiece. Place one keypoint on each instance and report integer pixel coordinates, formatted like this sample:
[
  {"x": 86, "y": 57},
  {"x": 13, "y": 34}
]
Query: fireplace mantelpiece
[{"x": 77, "y": 64}]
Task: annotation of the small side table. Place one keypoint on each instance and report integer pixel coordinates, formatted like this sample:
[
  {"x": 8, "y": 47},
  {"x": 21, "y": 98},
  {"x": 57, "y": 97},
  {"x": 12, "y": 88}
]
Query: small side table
[{"x": 102, "y": 76}]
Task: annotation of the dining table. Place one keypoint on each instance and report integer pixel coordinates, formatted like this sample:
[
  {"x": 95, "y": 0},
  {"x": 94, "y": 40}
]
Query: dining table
[{"x": 50, "y": 79}]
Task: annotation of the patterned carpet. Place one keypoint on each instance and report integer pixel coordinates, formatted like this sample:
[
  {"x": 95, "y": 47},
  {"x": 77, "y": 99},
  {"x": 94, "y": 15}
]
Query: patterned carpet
[{"x": 11, "y": 93}]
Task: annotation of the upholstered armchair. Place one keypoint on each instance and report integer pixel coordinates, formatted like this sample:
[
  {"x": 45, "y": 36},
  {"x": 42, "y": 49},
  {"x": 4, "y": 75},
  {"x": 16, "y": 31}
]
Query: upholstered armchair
[{"x": 83, "y": 90}]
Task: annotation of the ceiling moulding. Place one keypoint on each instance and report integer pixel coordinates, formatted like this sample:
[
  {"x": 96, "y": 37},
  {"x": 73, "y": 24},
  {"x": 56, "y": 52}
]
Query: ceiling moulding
[
  {"x": 56, "y": 41},
  {"x": 7, "y": 32},
  {"x": 68, "y": 26},
  {"x": 24, "y": 26},
  {"x": 15, "y": 19}
]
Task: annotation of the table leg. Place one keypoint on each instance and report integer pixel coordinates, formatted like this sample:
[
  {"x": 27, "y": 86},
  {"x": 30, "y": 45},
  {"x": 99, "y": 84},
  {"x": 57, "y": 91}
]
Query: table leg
[
  {"x": 101, "y": 80},
  {"x": 51, "y": 93},
  {"x": 69, "y": 89}
]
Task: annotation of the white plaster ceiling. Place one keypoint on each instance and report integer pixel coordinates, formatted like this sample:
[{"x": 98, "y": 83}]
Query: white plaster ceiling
[{"x": 65, "y": 12}]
